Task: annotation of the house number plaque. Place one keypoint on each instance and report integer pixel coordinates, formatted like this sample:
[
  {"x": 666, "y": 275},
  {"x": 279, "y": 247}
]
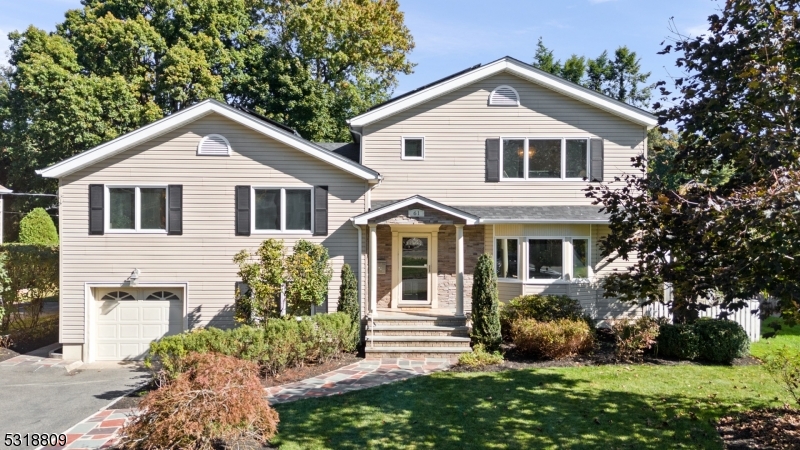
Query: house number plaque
[{"x": 416, "y": 213}]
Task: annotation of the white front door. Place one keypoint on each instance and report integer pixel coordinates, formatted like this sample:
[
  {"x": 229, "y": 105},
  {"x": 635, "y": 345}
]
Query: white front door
[
  {"x": 127, "y": 320},
  {"x": 414, "y": 269}
]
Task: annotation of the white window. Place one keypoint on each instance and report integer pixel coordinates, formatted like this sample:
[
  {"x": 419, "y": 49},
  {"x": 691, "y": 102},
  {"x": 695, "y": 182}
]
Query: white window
[
  {"x": 214, "y": 145},
  {"x": 544, "y": 158},
  {"x": 132, "y": 209},
  {"x": 277, "y": 210},
  {"x": 504, "y": 96},
  {"x": 413, "y": 148},
  {"x": 507, "y": 258},
  {"x": 558, "y": 259}
]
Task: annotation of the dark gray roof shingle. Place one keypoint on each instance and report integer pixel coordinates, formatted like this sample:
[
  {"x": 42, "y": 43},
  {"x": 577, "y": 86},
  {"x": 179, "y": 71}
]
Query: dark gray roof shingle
[
  {"x": 548, "y": 213},
  {"x": 349, "y": 150}
]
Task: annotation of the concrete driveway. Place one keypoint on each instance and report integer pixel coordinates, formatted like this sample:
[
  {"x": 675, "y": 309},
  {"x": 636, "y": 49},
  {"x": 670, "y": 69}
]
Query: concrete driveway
[{"x": 38, "y": 398}]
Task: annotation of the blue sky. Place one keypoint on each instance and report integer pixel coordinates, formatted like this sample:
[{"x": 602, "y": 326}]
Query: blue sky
[{"x": 452, "y": 35}]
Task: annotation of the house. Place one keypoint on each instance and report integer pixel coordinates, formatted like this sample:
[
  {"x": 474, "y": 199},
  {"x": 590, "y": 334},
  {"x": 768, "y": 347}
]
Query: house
[{"x": 493, "y": 159}]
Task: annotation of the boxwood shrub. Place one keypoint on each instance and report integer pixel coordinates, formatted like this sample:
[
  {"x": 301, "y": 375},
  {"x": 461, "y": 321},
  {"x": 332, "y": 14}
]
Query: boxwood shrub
[
  {"x": 721, "y": 341},
  {"x": 678, "y": 341},
  {"x": 275, "y": 344},
  {"x": 543, "y": 308}
]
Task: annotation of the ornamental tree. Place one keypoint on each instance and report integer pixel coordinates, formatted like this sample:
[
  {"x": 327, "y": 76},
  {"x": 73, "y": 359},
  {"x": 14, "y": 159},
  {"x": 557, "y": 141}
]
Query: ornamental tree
[{"x": 731, "y": 229}]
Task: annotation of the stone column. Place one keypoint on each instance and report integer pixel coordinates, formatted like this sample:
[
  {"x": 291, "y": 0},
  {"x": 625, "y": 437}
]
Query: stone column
[
  {"x": 373, "y": 270},
  {"x": 460, "y": 270}
]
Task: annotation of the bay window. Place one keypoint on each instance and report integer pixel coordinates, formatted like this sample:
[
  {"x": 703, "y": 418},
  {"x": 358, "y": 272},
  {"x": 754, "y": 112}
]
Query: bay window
[
  {"x": 544, "y": 158},
  {"x": 507, "y": 258},
  {"x": 549, "y": 259}
]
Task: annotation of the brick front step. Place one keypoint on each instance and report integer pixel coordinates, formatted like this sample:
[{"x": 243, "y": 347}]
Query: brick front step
[
  {"x": 425, "y": 352},
  {"x": 420, "y": 330},
  {"x": 420, "y": 322},
  {"x": 417, "y": 341}
]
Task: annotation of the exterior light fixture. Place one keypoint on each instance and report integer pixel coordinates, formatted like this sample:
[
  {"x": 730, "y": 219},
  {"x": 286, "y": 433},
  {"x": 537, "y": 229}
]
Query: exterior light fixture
[{"x": 133, "y": 279}]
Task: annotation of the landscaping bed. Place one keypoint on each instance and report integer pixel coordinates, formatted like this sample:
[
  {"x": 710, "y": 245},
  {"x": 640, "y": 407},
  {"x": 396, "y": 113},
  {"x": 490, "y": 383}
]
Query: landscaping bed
[{"x": 774, "y": 428}]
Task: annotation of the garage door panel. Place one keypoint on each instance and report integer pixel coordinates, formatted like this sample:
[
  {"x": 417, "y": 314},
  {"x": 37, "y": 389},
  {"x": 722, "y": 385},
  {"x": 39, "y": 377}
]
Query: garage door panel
[{"x": 128, "y": 320}]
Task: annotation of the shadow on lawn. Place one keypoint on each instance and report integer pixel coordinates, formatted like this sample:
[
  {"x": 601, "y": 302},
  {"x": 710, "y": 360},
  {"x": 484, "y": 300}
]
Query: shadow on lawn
[{"x": 514, "y": 409}]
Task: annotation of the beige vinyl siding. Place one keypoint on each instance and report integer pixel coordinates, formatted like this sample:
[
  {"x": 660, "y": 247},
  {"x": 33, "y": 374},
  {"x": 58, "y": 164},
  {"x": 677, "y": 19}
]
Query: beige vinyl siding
[
  {"x": 609, "y": 308},
  {"x": 456, "y": 126},
  {"x": 508, "y": 289},
  {"x": 202, "y": 256}
]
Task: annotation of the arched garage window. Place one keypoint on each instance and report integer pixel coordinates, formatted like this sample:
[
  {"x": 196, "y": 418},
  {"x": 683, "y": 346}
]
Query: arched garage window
[
  {"x": 163, "y": 295},
  {"x": 118, "y": 295}
]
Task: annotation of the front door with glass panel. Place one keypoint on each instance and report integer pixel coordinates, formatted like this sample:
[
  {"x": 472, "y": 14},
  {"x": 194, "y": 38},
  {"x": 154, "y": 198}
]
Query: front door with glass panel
[{"x": 414, "y": 269}]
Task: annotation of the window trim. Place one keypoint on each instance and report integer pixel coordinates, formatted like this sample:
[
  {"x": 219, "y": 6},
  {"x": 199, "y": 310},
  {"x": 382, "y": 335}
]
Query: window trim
[
  {"x": 519, "y": 239},
  {"x": 566, "y": 249},
  {"x": 403, "y": 149},
  {"x": 137, "y": 208},
  {"x": 208, "y": 136},
  {"x": 526, "y": 159},
  {"x": 283, "y": 230}
]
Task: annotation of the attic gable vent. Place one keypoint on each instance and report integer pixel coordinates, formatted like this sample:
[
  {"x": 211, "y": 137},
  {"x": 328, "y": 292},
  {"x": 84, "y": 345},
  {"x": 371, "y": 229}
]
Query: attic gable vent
[
  {"x": 504, "y": 96},
  {"x": 214, "y": 145}
]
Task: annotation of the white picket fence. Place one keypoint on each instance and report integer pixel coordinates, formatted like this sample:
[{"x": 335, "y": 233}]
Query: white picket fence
[{"x": 744, "y": 317}]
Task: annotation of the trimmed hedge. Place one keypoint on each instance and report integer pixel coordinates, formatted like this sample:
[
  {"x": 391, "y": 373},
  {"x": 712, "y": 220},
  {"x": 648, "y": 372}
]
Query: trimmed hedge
[
  {"x": 713, "y": 340},
  {"x": 543, "y": 308},
  {"x": 552, "y": 340},
  {"x": 275, "y": 345},
  {"x": 678, "y": 341},
  {"x": 721, "y": 341},
  {"x": 37, "y": 228}
]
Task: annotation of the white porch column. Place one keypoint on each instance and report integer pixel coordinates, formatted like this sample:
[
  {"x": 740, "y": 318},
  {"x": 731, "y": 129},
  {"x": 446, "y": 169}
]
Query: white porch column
[
  {"x": 459, "y": 270},
  {"x": 373, "y": 270}
]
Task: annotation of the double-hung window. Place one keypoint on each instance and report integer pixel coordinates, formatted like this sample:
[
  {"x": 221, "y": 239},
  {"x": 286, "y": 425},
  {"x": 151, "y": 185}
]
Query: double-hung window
[
  {"x": 545, "y": 158},
  {"x": 282, "y": 210},
  {"x": 136, "y": 209},
  {"x": 551, "y": 259}
]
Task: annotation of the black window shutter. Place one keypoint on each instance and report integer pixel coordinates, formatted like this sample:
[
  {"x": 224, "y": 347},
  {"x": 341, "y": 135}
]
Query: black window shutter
[
  {"x": 492, "y": 160},
  {"x": 596, "y": 169},
  {"x": 243, "y": 210},
  {"x": 175, "y": 214},
  {"x": 320, "y": 210},
  {"x": 96, "y": 204}
]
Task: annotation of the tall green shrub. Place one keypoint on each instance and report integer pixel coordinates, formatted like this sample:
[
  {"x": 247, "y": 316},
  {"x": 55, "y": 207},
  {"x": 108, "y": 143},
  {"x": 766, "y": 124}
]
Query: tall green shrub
[
  {"x": 485, "y": 305},
  {"x": 37, "y": 228},
  {"x": 308, "y": 274},
  {"x": 348, "y": 299},
  {"x": 264, "y": 275},
  {"x": 32, "y": 276},
  {"x": 5, "y": 282}
]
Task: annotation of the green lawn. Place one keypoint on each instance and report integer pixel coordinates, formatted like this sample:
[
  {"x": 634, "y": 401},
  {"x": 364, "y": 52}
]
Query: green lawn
[
  {"x": 787, "y": 336},
  {"x": 608, "y": 407}
]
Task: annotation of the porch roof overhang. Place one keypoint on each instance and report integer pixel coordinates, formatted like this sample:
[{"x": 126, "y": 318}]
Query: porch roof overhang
[
  {"x": 562, "y": 214},
  {"x": 363, "y": 219}
]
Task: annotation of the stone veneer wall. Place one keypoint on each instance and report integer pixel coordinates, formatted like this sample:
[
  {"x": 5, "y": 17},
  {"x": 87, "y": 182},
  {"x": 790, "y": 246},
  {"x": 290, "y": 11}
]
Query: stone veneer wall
[
  {"x": 473, "y": 248},
  {"x": 384, "y": 233}
]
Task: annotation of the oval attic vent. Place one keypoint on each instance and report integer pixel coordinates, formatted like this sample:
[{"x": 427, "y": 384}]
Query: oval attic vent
[
  {"x": 504, "y": 96},
  {"x": 214, "y": 145}
]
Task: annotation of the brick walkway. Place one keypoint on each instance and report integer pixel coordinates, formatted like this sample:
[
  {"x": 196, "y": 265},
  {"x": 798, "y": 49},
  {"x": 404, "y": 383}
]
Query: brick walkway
[
  {"x": 98, "y": 431},
  {"x": 361, "y": 375}
]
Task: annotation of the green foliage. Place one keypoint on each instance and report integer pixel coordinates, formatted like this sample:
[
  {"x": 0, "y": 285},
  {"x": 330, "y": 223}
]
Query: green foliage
[
  {"x": 264, "y": 278},
  {"x": 544, "y": 59},
  {"x": 275, "y": 344},
  {"x": 544, "y": 308},
  {"x": 552, "y": 340},
  {"x": 37, "y": 228},
  {"x": 308, "y": 274},
  {"x": 5, "y": 283},
  {"x": 31, "y": 276},
  {"x": 721, "y": 341},
  {"x": 479, "y": 358},
  {"x": 348, "y": 299},
  {"x": 112, "y": 66},
  {"x": 678, "y": 341},
  {"x": 784, "y": 365},
  {"x": 485, "y": 315},
  {"x": 731, "y": 231},
  {"x": 634, "y": 338}
]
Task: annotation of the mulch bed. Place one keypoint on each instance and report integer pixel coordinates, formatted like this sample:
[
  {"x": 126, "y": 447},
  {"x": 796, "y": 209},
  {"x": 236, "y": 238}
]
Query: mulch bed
[{"x": 774, "y": 428}]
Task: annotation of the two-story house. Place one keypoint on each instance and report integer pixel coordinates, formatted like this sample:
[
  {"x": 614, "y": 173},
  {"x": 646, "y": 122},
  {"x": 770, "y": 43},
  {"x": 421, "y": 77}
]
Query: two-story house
[{"x": 493, "y": 159}]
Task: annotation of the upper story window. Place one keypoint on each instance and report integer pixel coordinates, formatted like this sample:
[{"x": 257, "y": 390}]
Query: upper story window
[
  {"x": 504, "y": 96},
  {"x": 214, "y": 145},
  {"x": 413, "y": 148},
  {"x": 136, "y": 209},
  {"x": 282, "y": 210},
  {"x": 536, "y": 158}
]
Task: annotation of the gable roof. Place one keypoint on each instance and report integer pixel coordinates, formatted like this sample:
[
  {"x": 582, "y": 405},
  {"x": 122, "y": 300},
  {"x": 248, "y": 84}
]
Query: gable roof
[
  {"x": 180, "y": 118},
  {"x": 514, "y": 67},
  {"x": 363, "y": 219}
]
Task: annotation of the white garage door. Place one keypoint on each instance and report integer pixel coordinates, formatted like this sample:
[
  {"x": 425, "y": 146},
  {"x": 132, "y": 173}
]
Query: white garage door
[{"x": 127, "y": 320}]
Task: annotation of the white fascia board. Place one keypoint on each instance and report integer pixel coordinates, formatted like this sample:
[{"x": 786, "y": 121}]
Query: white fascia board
[
  {"x": 5, "y": 190},
  {"x": 181, "y": 118},
  {"x": 579, "y": 93},
  {"x": 543, "y": 221},
  {"x": 363, "y": 219}
]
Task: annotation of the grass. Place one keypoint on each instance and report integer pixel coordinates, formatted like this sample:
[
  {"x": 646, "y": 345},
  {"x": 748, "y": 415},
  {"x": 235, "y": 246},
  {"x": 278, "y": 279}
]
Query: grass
[
  {"x": 610, "y": 407},
  {"x": 787, "y": 336}
]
